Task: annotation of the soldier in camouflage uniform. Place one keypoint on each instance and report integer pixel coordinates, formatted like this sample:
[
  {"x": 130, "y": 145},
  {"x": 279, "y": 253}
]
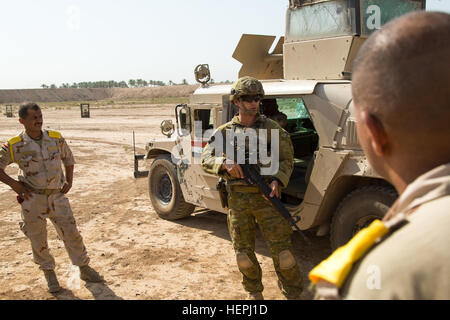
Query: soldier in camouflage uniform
[
  {"x": 246, "y": 205},
  {"x": 41, "y": 192}
]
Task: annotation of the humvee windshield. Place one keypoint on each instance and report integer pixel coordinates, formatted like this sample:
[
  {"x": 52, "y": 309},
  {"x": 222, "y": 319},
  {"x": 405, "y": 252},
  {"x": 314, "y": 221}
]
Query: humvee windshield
[
  {"x": 344, "y": 17},
  {"x": 305, "y": 140}
]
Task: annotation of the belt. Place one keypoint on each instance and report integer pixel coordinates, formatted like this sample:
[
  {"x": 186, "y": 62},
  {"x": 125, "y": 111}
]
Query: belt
[
  {"x": 46, "y": 192},
  {"x": 244, "y": 189}
]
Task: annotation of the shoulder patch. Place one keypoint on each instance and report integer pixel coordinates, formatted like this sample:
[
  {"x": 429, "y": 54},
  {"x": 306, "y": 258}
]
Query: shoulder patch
[
  {"x": 54, "y": 134},
  {"x": 11, "y": 142}
]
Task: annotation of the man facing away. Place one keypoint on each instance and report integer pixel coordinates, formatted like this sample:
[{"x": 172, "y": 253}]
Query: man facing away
[
  {"x": 246, "y": 205},
  {"x": 41, "y": 190},
  {"x": 401, "y": 95}
]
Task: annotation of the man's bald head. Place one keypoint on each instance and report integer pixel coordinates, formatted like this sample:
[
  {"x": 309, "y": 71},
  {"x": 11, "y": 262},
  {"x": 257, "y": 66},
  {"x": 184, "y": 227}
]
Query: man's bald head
[
  {"x": 401, "y": 75},
  {"x": 401, "y": 93}
]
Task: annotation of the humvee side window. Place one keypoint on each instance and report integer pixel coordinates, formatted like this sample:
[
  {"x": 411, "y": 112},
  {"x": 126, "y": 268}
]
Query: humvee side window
[
  {"x": 297, "y": 115},
  {"x": 294, "y": 108},
  {"x": 205, "y": 118}
]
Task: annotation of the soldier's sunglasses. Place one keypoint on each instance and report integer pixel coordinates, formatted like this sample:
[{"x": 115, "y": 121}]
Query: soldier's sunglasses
[{"x": 250, "y": 99}]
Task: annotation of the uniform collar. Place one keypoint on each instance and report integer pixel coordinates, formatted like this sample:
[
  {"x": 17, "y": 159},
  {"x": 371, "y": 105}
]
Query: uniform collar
[
  {"x": 27, "y": 138},
  {"x": 429, "y": 186},
  {"x": 259, "y": 119}
]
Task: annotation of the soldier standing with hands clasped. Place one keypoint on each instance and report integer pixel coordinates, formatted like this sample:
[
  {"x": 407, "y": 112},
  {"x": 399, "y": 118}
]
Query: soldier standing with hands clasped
[
  {"x": 246, "y": 205},
  {"x": 42, "y": 189}
]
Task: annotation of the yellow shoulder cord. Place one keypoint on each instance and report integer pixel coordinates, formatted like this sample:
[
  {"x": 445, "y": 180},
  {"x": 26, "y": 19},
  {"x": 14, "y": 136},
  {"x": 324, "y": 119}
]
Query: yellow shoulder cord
[
  {"x": 331, "y": 273},
  {"x": 11, "y": 142},
  {"x": 54, "y": 134}
]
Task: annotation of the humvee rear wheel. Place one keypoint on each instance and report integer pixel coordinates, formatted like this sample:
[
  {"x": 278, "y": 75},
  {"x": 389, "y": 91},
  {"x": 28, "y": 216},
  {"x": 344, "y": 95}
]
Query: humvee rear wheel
[
  {"x": 357, "y": 210},
  {"x": 165, "y": 192}
]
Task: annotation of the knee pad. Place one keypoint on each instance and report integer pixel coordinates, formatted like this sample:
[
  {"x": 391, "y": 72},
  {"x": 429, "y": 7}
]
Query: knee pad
[
  {"x": 243, "y": 261},
  {"x": 286, "y": 259}
]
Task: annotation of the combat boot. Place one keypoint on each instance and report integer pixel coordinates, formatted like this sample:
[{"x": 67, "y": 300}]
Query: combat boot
[
  {"x": 295, "y": 296},
  {"x": 90, "y": 275},
  {"x": 52, "y": 281},
  {"x": 257, "y": 295}
]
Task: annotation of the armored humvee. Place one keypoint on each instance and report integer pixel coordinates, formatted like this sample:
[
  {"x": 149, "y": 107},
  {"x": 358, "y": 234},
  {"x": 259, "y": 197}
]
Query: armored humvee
[{"x": 332, "y": 188}]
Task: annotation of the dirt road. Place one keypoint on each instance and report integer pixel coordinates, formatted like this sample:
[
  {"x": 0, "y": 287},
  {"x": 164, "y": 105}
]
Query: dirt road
[{"x": 140, "y": 255}]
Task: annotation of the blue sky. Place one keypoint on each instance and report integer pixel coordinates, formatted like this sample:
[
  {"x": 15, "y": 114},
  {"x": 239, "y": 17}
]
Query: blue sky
[{"x": 58, "y": 41}]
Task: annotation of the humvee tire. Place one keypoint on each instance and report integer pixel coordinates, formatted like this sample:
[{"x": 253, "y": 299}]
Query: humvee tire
[
  {"x": 165, "y": 192},
  {"x": 357, "y": 210}
]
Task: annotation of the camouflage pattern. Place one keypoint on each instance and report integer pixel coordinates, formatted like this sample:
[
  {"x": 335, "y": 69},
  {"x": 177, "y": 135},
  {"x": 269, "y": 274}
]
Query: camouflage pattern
[
  {"x": 40, "y": 169},
  {"x": 40, "y": 166},
  {"x": 211, "y": 162},
  {"x": 250, "y": 207},
  {"x": 56, "y": 207},
  {"x": 245, "y": 210},
  {"x": 246, "y": 86}
]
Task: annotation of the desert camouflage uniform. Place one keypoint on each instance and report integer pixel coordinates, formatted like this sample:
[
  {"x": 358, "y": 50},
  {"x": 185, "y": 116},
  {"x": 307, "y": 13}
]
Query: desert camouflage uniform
[
  {"x": 247, "y": 207},
  {"x": 40, "y": 169}
]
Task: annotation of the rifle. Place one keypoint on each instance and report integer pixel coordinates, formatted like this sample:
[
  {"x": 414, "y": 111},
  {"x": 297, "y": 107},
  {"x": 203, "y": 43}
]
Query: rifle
[{"x": 251, "y": 177}]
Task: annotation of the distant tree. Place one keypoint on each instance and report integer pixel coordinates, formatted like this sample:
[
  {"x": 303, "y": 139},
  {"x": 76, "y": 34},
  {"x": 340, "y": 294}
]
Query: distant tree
[
  {"x": 184, "y": 81},
  {"x": 122, "y": 84},
  {"x": 153, "y": 83},
  {"x": 44, "y": 86},
  {"x": 52, "y": 86},
  {"x": 132, "y": 83},
  {"x": 171, "y": 83}
]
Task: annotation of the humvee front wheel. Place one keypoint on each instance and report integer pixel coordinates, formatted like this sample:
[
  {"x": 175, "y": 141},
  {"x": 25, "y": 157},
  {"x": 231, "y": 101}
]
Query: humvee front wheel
[
  {"x": 165, "y": 192},
  {"x": 357, "y": 210}
]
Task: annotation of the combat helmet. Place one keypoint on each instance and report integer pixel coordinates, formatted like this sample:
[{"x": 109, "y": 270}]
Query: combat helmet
[{"x": 246, "y": 86}]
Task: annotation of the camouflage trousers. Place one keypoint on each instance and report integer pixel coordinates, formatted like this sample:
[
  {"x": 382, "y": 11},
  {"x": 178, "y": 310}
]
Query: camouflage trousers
[
  {"x": 56, "y": 207},
  {"x": 245, "y": 210}
]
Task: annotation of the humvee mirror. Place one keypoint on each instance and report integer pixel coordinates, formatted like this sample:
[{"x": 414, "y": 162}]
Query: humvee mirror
[{"x": 183, "y": 117}]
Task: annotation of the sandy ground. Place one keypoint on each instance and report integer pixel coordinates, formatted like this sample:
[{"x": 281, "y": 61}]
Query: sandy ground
[{"x": 140, "y": 255}]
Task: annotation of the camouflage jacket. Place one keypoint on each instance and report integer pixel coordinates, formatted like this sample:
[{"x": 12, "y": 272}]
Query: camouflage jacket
[
  {"x": 211, "y": 162},
  {"x": 40, "y": 165}
]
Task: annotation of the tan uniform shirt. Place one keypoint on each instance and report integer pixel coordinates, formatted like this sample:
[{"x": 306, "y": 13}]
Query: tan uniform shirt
[
  {"x": 40, "y": 165},
  {"x": 413, "y": 262}
]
